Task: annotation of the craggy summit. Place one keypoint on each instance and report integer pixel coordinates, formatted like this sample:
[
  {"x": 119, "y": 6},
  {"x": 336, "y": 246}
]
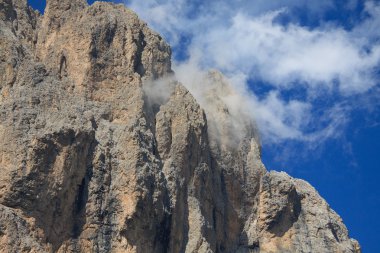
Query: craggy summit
[{"x": 89, "y": 163}]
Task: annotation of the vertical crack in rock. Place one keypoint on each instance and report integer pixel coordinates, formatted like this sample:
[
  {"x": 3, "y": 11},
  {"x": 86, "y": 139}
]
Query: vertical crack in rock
[
  {"x": 140, "y": 43},
  {"x": 62, "y": 66}
]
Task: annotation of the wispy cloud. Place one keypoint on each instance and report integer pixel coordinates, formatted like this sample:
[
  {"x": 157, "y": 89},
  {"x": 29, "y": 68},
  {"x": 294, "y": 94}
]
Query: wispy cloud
[{"x": 246, "y": 42}]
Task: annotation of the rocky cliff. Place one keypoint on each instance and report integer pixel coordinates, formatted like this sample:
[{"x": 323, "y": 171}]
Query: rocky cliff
[{"x": 91, "y": 161}]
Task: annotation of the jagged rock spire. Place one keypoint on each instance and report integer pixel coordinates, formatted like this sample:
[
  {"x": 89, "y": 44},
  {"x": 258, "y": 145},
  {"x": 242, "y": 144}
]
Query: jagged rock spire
[{"x": 64, "y": 5}]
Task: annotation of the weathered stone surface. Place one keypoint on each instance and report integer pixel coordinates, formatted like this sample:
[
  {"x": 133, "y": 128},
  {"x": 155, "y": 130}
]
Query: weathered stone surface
[
  {"x": 294, "y": 218},
  {"x": 90, "y": 163}
]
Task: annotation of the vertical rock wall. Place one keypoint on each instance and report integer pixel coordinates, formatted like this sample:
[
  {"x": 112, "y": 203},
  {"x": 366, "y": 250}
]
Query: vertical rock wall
[{"x": 89, "y": 163}]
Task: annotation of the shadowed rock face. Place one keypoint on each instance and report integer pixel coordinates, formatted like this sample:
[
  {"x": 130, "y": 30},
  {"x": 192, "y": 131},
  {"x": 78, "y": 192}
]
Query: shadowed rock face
[{"x": 89, "y": 164}]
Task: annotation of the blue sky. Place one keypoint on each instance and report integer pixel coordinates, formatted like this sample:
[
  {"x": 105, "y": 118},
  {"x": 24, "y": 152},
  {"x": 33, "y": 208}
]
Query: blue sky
[{"x": 307, "y": 72}]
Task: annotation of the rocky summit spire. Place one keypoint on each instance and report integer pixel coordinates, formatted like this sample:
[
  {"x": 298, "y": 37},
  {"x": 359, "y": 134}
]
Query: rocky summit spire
[
  {"x": 92, "y": 161},
  {"x": 57, "y": 11},
  {"x": 64, "y": 5}
]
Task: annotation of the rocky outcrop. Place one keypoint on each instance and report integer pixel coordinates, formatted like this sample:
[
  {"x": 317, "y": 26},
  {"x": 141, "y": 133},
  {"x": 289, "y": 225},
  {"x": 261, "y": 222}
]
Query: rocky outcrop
[{"x": 89, "y": 162}]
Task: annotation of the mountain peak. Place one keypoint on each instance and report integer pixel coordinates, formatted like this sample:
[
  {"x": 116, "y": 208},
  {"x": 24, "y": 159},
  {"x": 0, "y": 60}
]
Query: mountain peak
[{"x": 91, "y": 162}]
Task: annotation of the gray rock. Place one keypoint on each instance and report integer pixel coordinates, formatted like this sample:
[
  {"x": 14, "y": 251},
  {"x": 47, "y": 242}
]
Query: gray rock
[{"x": 88, "y": 163}]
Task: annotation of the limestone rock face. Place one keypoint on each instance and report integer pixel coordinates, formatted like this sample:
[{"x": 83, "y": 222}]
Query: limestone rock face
[{"x": 89, "y": 162}]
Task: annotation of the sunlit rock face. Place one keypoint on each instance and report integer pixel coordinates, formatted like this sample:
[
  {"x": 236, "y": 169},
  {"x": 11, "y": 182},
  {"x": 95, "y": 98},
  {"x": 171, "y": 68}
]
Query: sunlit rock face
[{"x": 90, "y": 161}]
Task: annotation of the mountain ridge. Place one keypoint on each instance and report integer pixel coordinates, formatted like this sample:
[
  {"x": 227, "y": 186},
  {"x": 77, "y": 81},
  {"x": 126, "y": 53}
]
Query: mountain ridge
[{"x": 92, "y": 162}]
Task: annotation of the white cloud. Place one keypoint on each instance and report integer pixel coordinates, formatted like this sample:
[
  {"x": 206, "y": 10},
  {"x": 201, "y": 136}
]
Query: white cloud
[
  {"x": 242, "y": 39},
  {"x": 284, "y": 55},
  {"x": 369, "y": 30}
]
